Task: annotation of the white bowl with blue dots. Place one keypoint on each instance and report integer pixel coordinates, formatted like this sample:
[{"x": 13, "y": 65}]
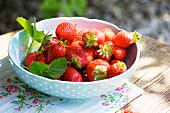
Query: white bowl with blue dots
[{"x": 66, "y": 89}]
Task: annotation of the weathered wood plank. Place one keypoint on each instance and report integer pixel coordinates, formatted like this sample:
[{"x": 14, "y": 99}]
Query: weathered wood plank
[{"x": 153, "y": 75}]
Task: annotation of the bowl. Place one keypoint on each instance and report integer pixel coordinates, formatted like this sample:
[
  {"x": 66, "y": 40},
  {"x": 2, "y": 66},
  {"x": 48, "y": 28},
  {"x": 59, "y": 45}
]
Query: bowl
[{"x": 65, "y": 89}]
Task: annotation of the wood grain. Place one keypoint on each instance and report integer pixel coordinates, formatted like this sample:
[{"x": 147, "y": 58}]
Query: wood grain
[{"x": 152, "y": 75}]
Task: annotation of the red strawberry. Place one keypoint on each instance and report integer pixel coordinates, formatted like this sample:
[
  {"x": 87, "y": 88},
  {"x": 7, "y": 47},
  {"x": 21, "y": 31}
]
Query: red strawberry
[
  {"x": 41, "y": 57},
  {"x": 66, "y": 31},
  {"x": 81, "y": 32},
  {"x": 109, "y": 34},
  {"x": 56, "y": 51},
  {"x": 100, "y": 56},
  {"x": 60, "y": 77},
  {"x": 79, "y": 35},
  {"x": 47, "y": 42},
  {"x": 97, "y": 69},
  {"x": 30, "y": 58},
  {"x": 79, "y": 55},
  {"x": 72, "y": 75},
  {"x": 105, "y": 51},
  {"x": 100, "y": 36},
  {"x": 93, "y": 38},
  {"x": 119, "y": 53},
  {"x": 130, "y": 110},
  {"x": 116, "y": 68},
  {"x": 123, "y": 39},
  {"x": 113, "y": 61}
]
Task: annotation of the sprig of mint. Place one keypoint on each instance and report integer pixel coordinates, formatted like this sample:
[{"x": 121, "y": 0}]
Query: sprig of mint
[
  {"x": 37, "y": 36},
  {"x": 56, "y": 68}
]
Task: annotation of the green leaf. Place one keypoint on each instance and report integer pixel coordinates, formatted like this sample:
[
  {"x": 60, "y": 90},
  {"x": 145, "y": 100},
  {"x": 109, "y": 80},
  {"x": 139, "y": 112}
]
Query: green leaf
[
  {"x": 35, "y": 46},
  {"x": 30, "y": 98},
  {"x": 38, "y": 35},
  {"x": 38, "y": 68},
  {"x": 57, "y": 67},
  {"x": 26, "y": 25},
  {"x": 136, "y": 37}
]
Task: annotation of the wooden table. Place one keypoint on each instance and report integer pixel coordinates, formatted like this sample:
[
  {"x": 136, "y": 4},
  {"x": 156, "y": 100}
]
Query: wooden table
[{"x": 152, "y": 74}]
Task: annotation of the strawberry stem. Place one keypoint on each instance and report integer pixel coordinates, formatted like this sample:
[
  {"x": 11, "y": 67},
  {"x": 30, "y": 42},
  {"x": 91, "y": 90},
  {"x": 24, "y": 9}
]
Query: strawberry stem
[
  {"x": 90, "y": 40},
  {"x": 100, "y": 73},
  {"x": 122, "y": 65},
  {"x": 105, "y": 50},
  {"x": 64, "y": 43},
  {"x": 136, "y": 37},
  {"x": 76, "y": 62}
]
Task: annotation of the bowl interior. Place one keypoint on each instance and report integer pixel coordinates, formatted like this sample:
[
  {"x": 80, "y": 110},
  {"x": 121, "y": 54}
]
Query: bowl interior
[{"x": 21, "y": 40}]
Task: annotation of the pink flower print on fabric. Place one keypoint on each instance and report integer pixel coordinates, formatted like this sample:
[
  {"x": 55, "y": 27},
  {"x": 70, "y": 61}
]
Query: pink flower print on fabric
[
  {"x": 36, "y": 101},
  {"x": 12, "y": 88},
  {"x": 105, "y": 104}
]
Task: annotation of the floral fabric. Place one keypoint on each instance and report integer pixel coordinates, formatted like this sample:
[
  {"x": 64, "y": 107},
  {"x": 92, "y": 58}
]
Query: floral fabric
[{"x": 15, "y": 95}]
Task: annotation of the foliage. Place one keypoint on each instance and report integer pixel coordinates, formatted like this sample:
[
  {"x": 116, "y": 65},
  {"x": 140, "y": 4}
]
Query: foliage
[{"x": 70, "y": 8}]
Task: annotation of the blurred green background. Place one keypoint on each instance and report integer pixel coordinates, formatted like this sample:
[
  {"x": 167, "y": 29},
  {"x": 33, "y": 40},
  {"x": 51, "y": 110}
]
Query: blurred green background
[{"x": 148, "y": 17}]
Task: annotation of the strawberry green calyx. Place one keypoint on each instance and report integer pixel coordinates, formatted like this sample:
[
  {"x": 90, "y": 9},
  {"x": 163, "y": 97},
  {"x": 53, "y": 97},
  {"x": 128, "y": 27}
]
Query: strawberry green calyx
[
  {"x": 136, "y": 37},
  {"x": 47, "y": 38},
  {"x": 105, "y": 50},
  {"x": 64, "y": 43},
  {"x": 76, "y": 62},
  {"x": 122, "y": 65},
  {"x": 90, "y": 40},
  {"x": 100, "y": 73}
]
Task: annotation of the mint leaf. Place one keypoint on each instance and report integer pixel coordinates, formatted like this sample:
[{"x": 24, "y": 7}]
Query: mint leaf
[
  {"x": 35, "y": 46},
  {"x": 57, "y": 67},
  {"x": 26, "y": 25},
  {"x": 38, "y": 35},
  {"x": 38, "y": 68}
]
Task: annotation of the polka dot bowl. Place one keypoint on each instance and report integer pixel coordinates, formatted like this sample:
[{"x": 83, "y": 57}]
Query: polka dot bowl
[{"x": 71, "y": 90}]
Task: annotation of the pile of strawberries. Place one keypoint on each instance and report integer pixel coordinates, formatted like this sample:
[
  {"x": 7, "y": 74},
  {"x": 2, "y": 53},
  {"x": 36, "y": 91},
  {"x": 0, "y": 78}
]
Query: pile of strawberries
[{"x": 91, "y": 54}]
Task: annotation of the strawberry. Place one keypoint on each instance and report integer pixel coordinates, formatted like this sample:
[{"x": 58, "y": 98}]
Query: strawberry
[
  {"x": 81, "y": 32},
  {"x": 97, "y": 69},
  {"x": 47, "y": 42},
  {"x": 35, "y": 57},
  {"x": 93, "y": 38},
  {"x": 30, "y": 58},
  {"x": 130, "y": 110},
  {"x": 100, "y": 56},
  {"x": 41, "y": 57},
  {"x": 109, "y": 34},
  {"x": 66, "y": 31},
  {"x": 119, "y": 53},
  {"x": 60, "y": 77},
  {"x": 79, "y": 35},
  {"x": 105, "y": 51},
  {"x": 116, "y": 68},
  {"x": 79, "y": 55},
  {"x": 56, "y": 51},
  {"x": 71, "y": 74},
  {"x": 123, "y": 39},
  {"x": 113, "y": 62}
]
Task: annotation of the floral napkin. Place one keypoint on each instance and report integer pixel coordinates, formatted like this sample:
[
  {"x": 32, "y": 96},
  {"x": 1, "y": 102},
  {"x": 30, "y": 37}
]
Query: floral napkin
[{"x": 16, "y": 96}]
